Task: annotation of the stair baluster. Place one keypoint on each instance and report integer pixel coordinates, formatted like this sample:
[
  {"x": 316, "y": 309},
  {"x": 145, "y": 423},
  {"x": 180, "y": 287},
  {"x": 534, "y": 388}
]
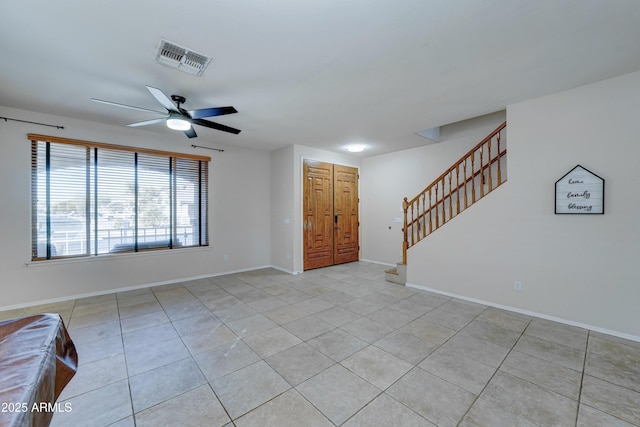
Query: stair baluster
[{"x": 415, "y": 221}]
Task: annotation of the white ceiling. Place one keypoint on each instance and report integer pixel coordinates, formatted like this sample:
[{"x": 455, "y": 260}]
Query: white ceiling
[{"x": 321, "y": 73}]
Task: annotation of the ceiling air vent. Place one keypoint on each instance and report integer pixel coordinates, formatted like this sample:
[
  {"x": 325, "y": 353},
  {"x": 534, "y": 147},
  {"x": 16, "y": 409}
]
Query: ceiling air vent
[{"x": 181, "y": 58}]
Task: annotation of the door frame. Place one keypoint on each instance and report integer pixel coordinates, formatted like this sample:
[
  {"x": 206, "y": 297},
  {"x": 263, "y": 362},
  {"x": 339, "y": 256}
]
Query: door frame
[{"x": 300, "y": 268}]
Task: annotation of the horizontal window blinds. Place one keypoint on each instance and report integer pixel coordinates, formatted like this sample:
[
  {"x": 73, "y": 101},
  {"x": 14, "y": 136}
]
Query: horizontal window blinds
[{"x": 93, "y": 199}]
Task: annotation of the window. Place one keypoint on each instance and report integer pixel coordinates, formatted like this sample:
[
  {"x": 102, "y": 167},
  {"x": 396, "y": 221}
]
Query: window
[{"x": 91, "y": 199}]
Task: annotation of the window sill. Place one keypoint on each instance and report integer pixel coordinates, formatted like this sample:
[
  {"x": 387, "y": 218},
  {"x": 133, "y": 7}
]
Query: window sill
[{"x": 105, "y": 257}]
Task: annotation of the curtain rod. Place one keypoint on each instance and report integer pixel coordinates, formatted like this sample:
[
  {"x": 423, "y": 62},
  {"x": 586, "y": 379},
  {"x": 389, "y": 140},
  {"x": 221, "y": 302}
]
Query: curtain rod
[
  {"x": 62, "y": 127},
  {"x": 33, "y": 123},
  {"x": 208, "y": 148}
]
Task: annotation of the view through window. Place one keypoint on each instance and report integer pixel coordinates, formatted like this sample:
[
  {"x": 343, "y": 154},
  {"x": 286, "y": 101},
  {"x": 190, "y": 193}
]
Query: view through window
[{"x": 92, "y": 199}]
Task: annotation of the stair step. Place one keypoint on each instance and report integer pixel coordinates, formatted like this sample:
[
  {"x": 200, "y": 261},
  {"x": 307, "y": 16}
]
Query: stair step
[{"x": 397, "y": 274}]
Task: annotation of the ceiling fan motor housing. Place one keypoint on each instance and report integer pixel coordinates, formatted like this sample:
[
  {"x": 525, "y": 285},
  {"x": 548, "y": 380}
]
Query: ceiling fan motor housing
[{"x": 178, "y": 99}]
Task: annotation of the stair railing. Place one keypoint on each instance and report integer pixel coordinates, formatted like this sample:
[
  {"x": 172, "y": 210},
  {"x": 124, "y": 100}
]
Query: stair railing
[{"x": 481, "y": 170}]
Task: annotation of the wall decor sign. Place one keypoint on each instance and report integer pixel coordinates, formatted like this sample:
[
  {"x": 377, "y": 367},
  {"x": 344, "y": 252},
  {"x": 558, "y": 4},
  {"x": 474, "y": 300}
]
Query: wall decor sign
[{"x": 580, "y": 191}]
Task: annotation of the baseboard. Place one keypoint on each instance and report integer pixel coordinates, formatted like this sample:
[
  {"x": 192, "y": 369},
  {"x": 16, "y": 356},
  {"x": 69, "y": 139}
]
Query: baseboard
[
  {"x": 284, "y": 270},
  {"x": 128, "y": 288},
  {"x": 528, "y": 313},
  {"x": 378, "y": 262}
]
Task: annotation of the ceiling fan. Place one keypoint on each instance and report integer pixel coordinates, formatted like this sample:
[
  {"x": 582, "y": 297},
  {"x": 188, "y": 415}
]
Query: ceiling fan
[{"x": 179, "y": 118}]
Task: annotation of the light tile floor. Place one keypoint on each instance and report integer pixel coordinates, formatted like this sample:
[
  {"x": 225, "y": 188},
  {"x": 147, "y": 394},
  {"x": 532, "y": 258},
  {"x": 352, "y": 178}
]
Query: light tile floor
[{"x": 334, "y": 346}]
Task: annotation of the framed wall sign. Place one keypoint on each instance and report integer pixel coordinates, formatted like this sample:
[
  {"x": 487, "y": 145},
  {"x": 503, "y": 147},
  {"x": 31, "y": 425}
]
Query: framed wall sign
[{"x": 580, "y": 191}]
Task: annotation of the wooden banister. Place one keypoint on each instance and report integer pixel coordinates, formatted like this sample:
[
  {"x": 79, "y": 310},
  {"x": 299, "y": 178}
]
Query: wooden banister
[
  {"x": 419, "y": 212},
  {"x": 462, "y": 159}
]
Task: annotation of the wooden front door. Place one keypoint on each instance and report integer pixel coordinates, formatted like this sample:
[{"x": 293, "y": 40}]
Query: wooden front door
[
  {"x": 330, "y": 206},
  {"x": 345, "y": 214}
]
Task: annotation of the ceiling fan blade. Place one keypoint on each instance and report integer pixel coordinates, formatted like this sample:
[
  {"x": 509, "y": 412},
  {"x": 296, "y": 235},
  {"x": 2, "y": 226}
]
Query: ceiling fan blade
[
  {"x": 190, "y": 133},
  {"x": 162, "y": 99},
  {"x": 126, "y": 106},
  {"x": 147, "y": 122},
  {"x": 216, "y": 126},
  {"x": 210, "y": 112}
]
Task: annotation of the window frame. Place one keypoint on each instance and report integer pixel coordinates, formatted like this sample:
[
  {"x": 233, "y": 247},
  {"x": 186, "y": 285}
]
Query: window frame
[{"x": 201, "y": 184}]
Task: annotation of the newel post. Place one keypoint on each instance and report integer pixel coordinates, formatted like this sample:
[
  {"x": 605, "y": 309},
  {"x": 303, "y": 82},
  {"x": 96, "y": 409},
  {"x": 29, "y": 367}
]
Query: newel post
[{"x": 405, "y": 243}]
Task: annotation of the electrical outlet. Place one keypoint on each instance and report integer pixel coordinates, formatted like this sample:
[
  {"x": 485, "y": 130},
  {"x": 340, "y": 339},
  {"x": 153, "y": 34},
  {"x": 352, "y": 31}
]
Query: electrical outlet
[
  {"x": 517, "y": 286},
  {"x": 226, "y": 257}
]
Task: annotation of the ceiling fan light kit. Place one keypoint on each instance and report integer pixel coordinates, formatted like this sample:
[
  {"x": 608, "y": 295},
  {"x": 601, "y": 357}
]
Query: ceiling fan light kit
[
  {"x": 178, "y": 118},
  {"x": 177, "y": 123}
]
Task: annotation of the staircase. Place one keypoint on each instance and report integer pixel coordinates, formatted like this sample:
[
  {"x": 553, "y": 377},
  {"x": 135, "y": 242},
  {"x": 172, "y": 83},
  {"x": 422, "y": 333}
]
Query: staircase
[{"x": 480, "y": 171}]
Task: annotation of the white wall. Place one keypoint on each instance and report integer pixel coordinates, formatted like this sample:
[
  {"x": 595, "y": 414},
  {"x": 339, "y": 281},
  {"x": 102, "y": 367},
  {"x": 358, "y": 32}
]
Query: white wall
[
  {"x": 239, "y": 192},
  {"x": 387, "y": 179},
  {"x": 282, "y": 209},
  {"x": 579, "y": 268}
]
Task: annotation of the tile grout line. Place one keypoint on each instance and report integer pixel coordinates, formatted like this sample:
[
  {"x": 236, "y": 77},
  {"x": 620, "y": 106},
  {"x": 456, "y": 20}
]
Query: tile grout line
[
  {"x": 590, "y": 337},
  {"x": 584, "y": 366},
  {"x": 163, "y": 308},
  {"x": 294, "y": 387},
  {"x": 194, "y": 360},
  {"x": 354, "y": 373},
  {"x": 414, "y": 365},
  {"x": 262, "y": 359},
  {"x": 329, "y": 367},
  {"x": 124, "y": 354},
  {"x": 436, "y": 349},
  {"x": 440, "y": 346},
  {"x": 600, "y": 379},
  {"x": 495, "y": 372}
]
